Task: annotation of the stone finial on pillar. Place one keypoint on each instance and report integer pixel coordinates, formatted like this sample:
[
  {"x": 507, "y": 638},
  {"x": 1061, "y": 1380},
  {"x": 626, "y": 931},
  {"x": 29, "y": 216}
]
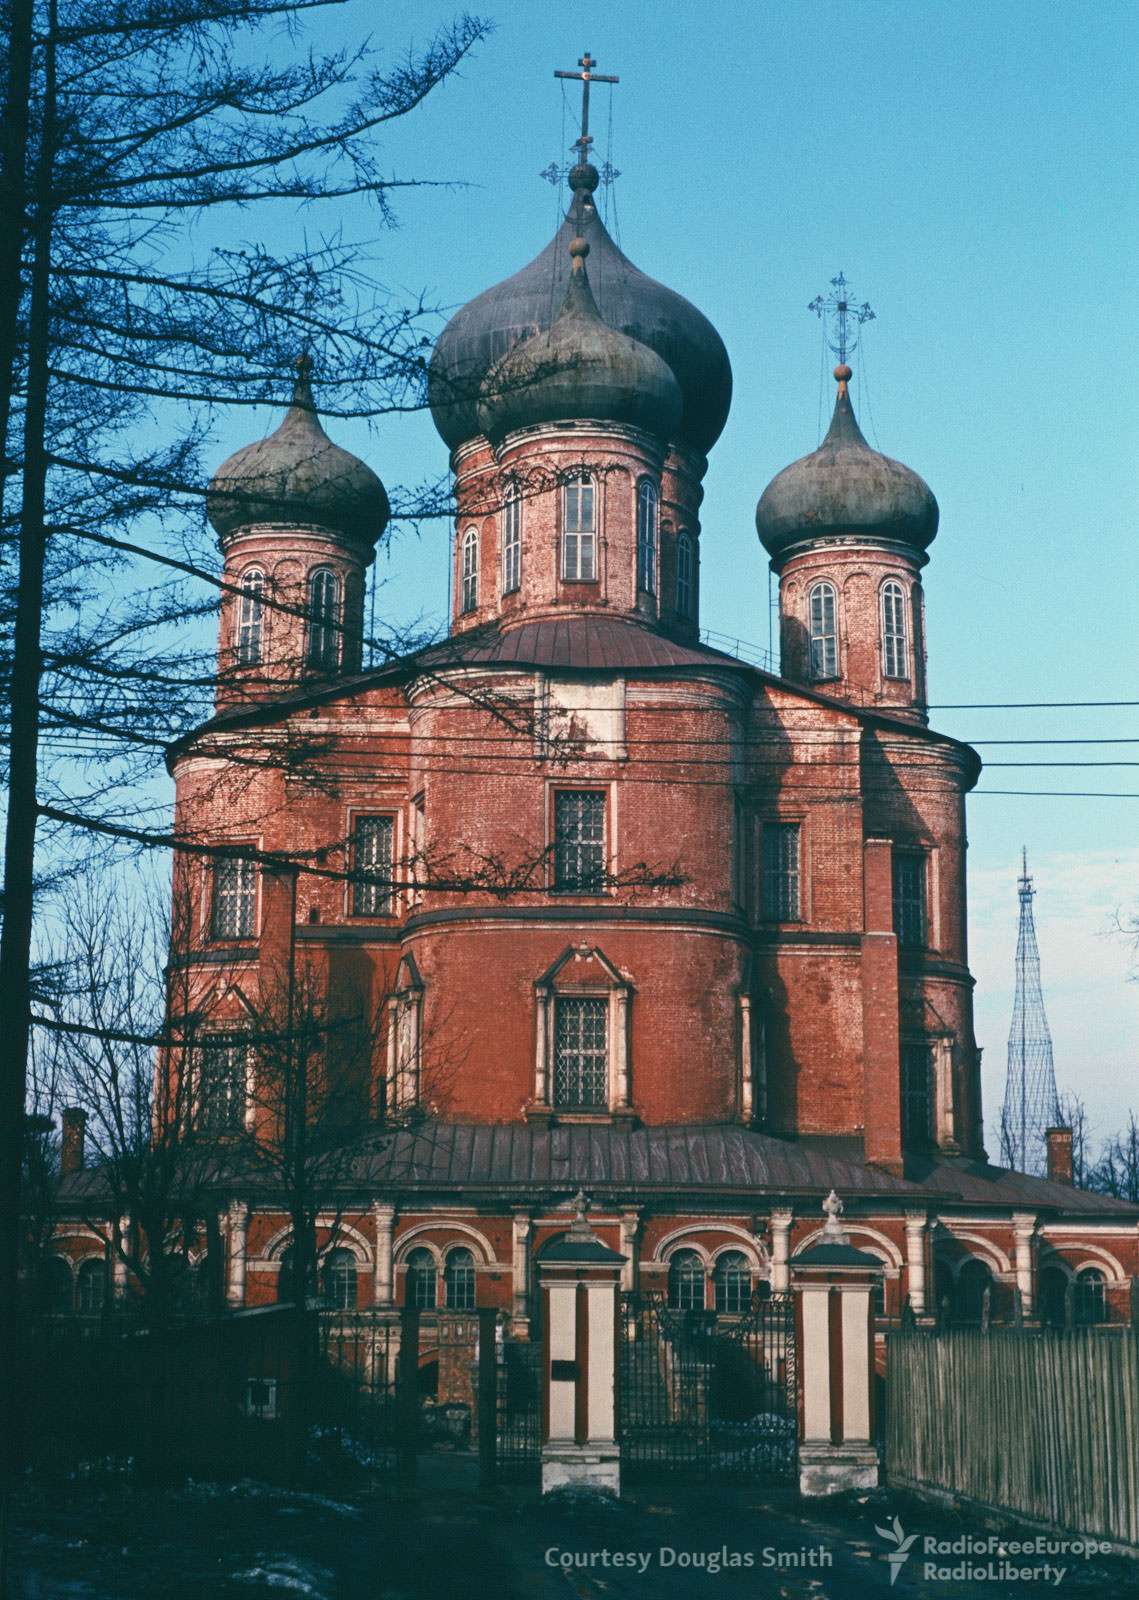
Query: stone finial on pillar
[
  {"x": 834, "y": 1282},
  {"x": 578, "y": 1278}
]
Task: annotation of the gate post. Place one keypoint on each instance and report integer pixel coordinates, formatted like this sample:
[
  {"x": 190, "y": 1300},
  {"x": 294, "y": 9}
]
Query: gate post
[
  {"x": 487, "y": 1413},
  {"x": 407, "y": 1404},
  {"x": 833, "y": 1283},
  {"x": 578, "y": 1281}
]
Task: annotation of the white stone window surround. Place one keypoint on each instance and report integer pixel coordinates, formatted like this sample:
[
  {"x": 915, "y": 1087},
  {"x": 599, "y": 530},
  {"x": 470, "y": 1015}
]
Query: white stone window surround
[
  {"x": 895, "y": 603},
  {"x": 580, "y": 523},
  {"x": 824, "y": 650},
  {"x": 469, "y": 570},
  {"x": 323, "y": 626},
  {"x": 512, "y": 539},
  {"x": 249, "y": 629},
  {"x": 231, "y": 904},
  {"x": 613, "y": 987}
]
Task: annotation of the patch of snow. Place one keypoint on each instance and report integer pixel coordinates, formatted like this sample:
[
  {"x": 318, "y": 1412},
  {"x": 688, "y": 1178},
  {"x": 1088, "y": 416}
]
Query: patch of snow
[{"x": 285, "y": 1572}]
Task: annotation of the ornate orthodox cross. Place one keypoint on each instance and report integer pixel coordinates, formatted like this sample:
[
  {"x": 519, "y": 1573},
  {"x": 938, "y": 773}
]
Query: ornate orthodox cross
[
  {"x": 587, "y": 76},
  {"x": 841, "y": 318}
]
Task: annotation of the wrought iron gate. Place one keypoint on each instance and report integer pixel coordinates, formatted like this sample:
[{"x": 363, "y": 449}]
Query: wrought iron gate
[
  {"x": 708, "y": 1396},
  {"x": 518, "y": 1435}
]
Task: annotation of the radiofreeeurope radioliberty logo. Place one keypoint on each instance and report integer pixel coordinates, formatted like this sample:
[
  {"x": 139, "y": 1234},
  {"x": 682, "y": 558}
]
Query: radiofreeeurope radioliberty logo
[{"x": 901, "y": 1541}]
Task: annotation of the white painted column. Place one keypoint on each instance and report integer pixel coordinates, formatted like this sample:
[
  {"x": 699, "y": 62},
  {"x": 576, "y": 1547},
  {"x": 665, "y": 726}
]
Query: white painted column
[
  {"x": 781, "y": 1251},
  {"x": 542, "y": 1046},
  {"x": 1024, "y": 1233},
  {"x": 915, "y": 1222},
  {"x": 815, "y": 1376},
  {"x": 857, "y": 1365},
  {"x": 747, "y": 1065},
  {"x": 561, "y": 1307},
  {"x": 619, "y": 1011},
  {"x": 237, "y": 1230},
  {"x": 522, "y": 1228},
  {"x": 384, "y": 1218},
  {"x": 630, "y": 1227}
]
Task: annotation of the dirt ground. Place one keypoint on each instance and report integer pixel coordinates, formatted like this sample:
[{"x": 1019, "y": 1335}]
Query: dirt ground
[{"x": 110, "y": 1539}]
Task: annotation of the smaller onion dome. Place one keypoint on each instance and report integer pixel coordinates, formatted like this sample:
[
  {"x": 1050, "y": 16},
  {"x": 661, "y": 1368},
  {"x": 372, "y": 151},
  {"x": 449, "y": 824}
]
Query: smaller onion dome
[
  {"x": 845, "y": 490},
  {"x": 580, "y": 369},
  {"x": 297, "y": 476}
]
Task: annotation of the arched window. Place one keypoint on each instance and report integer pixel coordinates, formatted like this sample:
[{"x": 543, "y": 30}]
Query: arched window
[
  {"x": 973, "y": 1282},
  {"x": 1053, "y": 1296},
  {"x": 470, "y": 574},
  {"x": 459, "y": 1280},
  {"x": 1090, "y": 1304},
  {"x": 251, "y": 618},
  {"x": 686, "y": 1281},
  {"x": 646, "y": 536},
  {"x": 55, "y": 1284},
  {"x": 684, "y": 585},
  {"x": 322, "y": 651},
  {"x": 339, "y": 1279},
  {"x": 895, "y": 635},
  {"x": 822, "y": 631},
  {"x": 92, "y": 1285},
  {"x": 512, "y": 540},
  {"x": 421, "y": 1280},
  {"x": 579, "y": 529},
  {"x": 731, "y": 1281},
  {"x": 286, "y": 1278}
]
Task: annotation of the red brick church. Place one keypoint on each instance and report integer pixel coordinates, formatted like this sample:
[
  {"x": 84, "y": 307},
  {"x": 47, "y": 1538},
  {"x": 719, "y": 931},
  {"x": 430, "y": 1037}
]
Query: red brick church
[{"x": 578, "y": 902}]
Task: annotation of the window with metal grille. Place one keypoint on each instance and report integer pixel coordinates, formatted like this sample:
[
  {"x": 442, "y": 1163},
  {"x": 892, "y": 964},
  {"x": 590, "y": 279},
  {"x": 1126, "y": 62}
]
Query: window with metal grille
[
  {"x": 895, "y": 635},
  {"x": 92, "y": 1281},
  {"x": 459, "y": 1280},
  {"x": 579, "y": 529},
  {"x": 781, "y": 871},
  {"x": 909, "y": 898},
  {"x": 322, "y": 650},
  {"x": 731, "y": 1281},
  {"x": 421, "y": 1280},
  {"x": 233, "y": 913},
  {"x": 470, "y": 578},
  {"x": 373, "y": 846},
  {"x": 338, "y": 1273},
  {"x": 581, "y": 1056},
  {"x": 917, "y": 1091},
  {"x": 251, "y": 618},
  {"x": 647, "y": 536},
  {"x": 221, "y": 1085},
  {"x": 822, "y": 631},
  {"x": 512, "y": 541},
  {"x": 686, "y": 1281},
  {"x": 579, "y": 840},
  {"x": 684, "y": 587}
]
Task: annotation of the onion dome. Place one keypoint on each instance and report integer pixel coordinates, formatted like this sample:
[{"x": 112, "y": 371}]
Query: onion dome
[
  {"x": 578, "y": 369},
  {"x": 298, "y": 476},
  {"x": 845, "y": 490},
  {"x": 491, "y": 324}
]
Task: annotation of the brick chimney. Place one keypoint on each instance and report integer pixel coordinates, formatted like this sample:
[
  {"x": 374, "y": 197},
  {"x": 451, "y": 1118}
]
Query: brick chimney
[
  {"x": 71, "y": 1153},
  {"x": 1059, "y": 1142}
]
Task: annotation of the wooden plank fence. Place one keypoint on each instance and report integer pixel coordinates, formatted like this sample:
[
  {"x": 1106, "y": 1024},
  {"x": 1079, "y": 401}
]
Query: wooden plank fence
[{"x": 1044, "y": 1423}]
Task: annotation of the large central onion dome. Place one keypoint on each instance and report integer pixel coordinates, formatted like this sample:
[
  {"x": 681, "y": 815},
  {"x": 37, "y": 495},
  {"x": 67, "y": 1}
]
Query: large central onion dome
[
  {"x": 845, "y": 490},
  {"x": 491, "y": 324},
  {"x": 297, "y": 476},
  {"x": 579, "y": 369}
]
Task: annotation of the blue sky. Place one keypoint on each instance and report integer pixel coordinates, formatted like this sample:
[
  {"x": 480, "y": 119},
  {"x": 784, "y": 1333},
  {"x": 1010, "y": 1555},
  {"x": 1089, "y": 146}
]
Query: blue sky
[{"x": 971, "y": 170}]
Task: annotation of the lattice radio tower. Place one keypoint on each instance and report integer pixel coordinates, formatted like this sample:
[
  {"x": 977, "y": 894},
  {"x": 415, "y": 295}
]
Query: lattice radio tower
[{"x": 1031, "y": 1103}]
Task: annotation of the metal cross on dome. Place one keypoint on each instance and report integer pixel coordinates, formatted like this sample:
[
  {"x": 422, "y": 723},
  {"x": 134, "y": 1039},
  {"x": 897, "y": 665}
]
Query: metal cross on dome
[
  {"x": 841, "y": 318},
  {"x": 554, "y": 173}
]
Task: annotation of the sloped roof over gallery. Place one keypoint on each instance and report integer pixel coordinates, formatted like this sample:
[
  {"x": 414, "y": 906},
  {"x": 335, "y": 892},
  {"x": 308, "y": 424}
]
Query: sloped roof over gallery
[{"x": 494, "y": 322}]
